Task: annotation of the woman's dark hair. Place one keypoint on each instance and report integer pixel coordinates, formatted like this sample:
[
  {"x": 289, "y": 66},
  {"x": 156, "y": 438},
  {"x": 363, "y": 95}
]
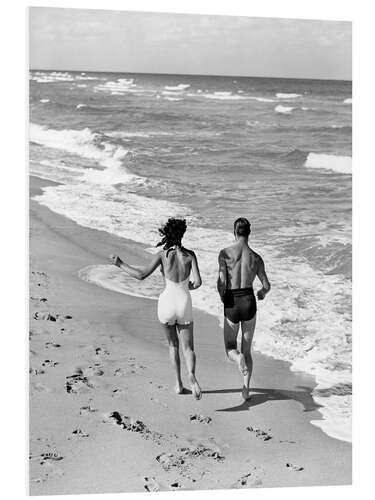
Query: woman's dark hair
[
  {"x": 242, "y": 227},
  {"x": 172, "y": 233}
]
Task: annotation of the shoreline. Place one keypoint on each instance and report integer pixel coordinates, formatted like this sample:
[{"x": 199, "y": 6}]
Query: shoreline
[{"x": 282, "y": 405}]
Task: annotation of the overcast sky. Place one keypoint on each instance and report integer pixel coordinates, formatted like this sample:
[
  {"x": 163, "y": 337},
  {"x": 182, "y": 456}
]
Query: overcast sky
[{"x": 139, "y": 42}]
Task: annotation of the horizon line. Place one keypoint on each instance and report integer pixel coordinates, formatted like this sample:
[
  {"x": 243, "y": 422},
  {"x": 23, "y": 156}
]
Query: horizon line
[{"x": 193, "y": 74}]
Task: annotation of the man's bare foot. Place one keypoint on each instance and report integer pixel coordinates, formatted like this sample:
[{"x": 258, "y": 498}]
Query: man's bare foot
[
  {"x": 195, "y": 389},
  {"x": 245, "y": 393},
  {"x": 242, "y": 364},
  {"x": 179, "y": 388}
]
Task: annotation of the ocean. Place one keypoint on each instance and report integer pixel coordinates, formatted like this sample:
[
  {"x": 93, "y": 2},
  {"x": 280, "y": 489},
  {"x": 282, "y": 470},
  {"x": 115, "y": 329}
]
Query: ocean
[{"x": 131, "y": 150}]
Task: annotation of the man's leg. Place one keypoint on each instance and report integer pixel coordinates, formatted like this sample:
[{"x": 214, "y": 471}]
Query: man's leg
[
  {"x": 247, "y": 328},
  {"x": 187, "y": 343},
  {"x": 172, "y": 338},
  {"x": 230, "y": 341}
]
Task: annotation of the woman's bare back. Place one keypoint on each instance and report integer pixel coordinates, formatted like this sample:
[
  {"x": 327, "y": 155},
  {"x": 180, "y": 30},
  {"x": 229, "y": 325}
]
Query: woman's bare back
[{"x": 176, "y": 263}]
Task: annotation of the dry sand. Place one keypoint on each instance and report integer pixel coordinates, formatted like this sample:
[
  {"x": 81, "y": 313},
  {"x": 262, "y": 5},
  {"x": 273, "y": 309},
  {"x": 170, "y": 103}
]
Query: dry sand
[{"x": 103, "y": 415}]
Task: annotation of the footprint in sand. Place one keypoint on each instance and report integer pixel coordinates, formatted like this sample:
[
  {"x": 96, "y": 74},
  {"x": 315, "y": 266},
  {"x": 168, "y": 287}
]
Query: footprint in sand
[
  {"x": 101, "y": 351},
  {"x": 49, "y": 362},
  {"x": 200, "y": 419},
  {"x": 48, "y": 456},
  {"x": 78, "y": 383},
  {"x": 44, "y": 316},
  {"x": 39, "y": 388},
  {"x": 252, "y": 479},
  {"x": 294, "y": 468},
  {"x": 84, "y": 410},
  {"x": 116, "y": 393},
  {"x": 120, "y": 372},
  {"x": 160, "y": 386},
  {"x": 79, "y": 433},
  {"x": 259, "y": 433},
  {"x": 185, "y": 456},
  {"x": 36, "y": 371},
  {"x": 131, "y": 424},
  {"x": 90, "y": 371},
  {"x": 39, "y": 299},
  {"x": 150, "y": 484},
  {"x": 49, "y": 345},
  {"x": 175, "y": 485},
  {"x": 65, "y": 331}
]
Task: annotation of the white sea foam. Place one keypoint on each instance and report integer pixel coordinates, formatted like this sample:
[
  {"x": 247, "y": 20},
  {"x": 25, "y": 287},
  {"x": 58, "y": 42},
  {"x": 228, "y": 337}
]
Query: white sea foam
[
  {"x": 224, "y": 96},
  {"x": 284, "y": 110},
  {"x": 121, "y": 86},
  {"x": 348, "y": 101},
  {"x": 44, "y": 101},
  {"x": 58, "y": 76},
  {"x": 180, "y": 86},
  {"x": 262, "y": 99},
  {"x": 281, "y": 95},
  {"x": 168, "y": 98},
  {"x": 171, "y": 92},
  {"x": 87, "y": 145},
  {"x": 341, "y": 164},
  {"x": 79, "y": 106}
]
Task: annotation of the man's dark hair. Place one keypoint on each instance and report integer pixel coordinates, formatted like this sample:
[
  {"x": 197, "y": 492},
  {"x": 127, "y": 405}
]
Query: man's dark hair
[{"x": 242, "y": 227}]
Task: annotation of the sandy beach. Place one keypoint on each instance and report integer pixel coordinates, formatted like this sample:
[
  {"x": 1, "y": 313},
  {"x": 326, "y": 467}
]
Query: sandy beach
[{"x": 103, "y": 414}]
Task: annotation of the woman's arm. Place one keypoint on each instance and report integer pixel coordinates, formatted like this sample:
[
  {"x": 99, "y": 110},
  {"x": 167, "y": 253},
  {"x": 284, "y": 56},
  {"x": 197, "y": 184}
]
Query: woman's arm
[
  {"x": 139, "y": 274},
  {"x": 197, "y": 280}
]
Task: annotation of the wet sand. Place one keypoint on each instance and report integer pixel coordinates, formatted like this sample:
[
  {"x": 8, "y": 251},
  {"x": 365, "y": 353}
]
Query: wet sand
[{"x": 103, "y": 414}]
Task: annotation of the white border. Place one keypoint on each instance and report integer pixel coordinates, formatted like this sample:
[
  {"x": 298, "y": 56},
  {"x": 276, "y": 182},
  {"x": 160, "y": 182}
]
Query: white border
[{"x": 12, "y": 93}]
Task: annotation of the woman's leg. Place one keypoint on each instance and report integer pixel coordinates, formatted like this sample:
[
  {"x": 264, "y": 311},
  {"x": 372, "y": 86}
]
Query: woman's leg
[
  {"x": 174, "y": 354},
  {"x": 247, "y": 328},
  {"x": 187, "y": 342},
  {"x": 230, "y": 341}
]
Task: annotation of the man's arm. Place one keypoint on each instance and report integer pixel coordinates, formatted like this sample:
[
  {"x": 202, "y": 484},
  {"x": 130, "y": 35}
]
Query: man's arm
[
  {"x": 138, "y": 273},
  {"x": 263, "y": 279},
  {"x": 222, "y": 278}
]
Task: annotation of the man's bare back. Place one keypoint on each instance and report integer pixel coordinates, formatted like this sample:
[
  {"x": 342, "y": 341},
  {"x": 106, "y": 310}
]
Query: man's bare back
[{"x": 238, "y": 267}]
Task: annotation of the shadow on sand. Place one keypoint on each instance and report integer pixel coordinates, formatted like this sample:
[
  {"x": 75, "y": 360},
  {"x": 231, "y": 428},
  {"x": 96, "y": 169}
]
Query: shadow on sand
[{"x": 261, "y": 396}]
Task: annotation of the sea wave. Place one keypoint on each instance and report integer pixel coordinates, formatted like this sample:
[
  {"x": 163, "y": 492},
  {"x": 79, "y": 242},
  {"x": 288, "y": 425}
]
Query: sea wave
[
  {"x": 180, "y": 86},
  {"x": 58, "y": 76},
  {"x": 335, "y": 163},
  {"x": 88, "y": 145},
  {"x": 348, "y": 101},
  {"x": 223, "y": 96},
  {"x": 281, "y": 95},
  {"x": 285, "y": 110}
]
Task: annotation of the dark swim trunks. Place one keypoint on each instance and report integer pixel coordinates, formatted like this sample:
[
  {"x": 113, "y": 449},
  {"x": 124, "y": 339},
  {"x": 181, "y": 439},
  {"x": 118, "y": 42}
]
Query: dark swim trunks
[{"x": 240, "y": 304}]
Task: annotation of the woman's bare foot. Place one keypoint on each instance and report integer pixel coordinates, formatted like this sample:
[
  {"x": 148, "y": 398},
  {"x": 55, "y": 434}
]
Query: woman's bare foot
[
  {"x": 245, "y": 393},
  {"x": 195, "y": 389},
  {"x": 242, "y": 364},
  {"x": 179, "y": 388}
]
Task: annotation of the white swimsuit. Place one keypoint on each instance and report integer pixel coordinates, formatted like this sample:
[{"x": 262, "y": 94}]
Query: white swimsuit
[{"x": 174, "y": 305}]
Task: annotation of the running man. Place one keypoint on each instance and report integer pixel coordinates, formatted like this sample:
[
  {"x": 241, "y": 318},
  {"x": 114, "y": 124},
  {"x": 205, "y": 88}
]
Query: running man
[{"x": 238, "y": 267}]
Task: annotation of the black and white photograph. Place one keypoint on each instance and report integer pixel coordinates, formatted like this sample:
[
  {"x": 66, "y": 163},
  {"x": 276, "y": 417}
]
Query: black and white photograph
[{"x": 190, "y": 251}]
